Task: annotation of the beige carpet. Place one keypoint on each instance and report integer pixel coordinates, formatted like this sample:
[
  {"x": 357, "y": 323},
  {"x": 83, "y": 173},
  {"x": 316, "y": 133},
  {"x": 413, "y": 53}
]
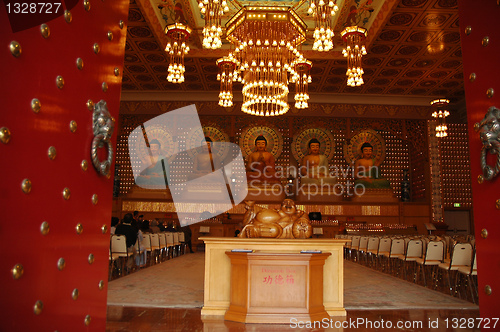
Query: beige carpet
[{"x": 178, "y": 283}]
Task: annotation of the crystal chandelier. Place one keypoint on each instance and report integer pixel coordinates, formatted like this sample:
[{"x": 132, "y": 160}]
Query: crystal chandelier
[
  {"x": 323, "y": 33},
  {"x": 227, "y": 75},
  {"x": 265, "y": 40},
  {"x": 353, "y": 37},
  {"x": 440, "y": 116},
  {"x": 213, "y": 11},
  {"x": 301, "y": 78},
  {"x": 178, "y": 33}
]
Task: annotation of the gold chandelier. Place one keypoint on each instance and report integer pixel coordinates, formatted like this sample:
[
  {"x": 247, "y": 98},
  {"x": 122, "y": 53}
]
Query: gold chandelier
[
  {"x": 213, "y": 11},
  {"x": 440, "y": 115},
  {"x": 227, "y": 75},
  {"x": 323, "y": 33},
  {"x": 301, "y": 78},
  {"x": 265, "y": 40},
  {"x": 178, "y": 33},
  {"x": 354, "y": 36}
]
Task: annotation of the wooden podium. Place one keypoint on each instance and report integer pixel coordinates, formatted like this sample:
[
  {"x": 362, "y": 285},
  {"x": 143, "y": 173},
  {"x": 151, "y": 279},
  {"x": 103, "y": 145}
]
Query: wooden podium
[
  {"x": 217, "y": 288},
  {"x": 274, "y": 287}
]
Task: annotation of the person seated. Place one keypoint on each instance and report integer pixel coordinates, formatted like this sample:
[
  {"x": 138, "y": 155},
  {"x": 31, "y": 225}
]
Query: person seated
[
  {"x": 187, "y": 237},
  {"x": 131, "y": 232},
  {"x": 314, "y": 168},
  {"x": 170, "y": 227},
  {"x": 366, "y": 170},
  {"x": 285, "y": 223},
  {"x": 145, "y": 227},
  {"x": 260, "y": 165},
  {"x": 154, "y": 226},
  {"x": 114, "y": 222},
  {"x": 156, "y": 174}
]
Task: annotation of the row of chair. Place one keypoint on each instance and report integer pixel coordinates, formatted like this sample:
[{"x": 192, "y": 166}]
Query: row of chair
[
  {"x": 163, "y": 246},
  {"x": 151, "y": 249},
  {"x": 425, "y": 258}
]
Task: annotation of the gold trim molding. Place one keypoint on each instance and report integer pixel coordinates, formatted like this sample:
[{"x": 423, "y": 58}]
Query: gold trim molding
[{"x": 315, "y": 109}]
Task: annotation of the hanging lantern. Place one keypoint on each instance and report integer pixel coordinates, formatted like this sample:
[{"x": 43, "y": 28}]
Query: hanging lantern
[
  {"x": 354, "y": 51},
  {"x": 440, "y": 115},
  {"x": 323, "y": 33},
  {"x": 301, "y": 78},
  {"x": 213, "y": 11},
  {"x": 178, "y": 33},
  {"x": 227, "y": 75}
]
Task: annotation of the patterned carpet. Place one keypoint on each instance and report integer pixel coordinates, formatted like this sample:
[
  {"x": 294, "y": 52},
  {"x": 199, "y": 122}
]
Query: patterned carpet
[{"x": 178, "y": 283}]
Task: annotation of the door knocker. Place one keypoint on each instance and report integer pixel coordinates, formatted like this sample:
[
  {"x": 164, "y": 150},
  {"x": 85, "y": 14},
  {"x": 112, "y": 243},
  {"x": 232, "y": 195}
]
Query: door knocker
[
  {"x": 489, "y": 132},
  {"x": 103, "y": 125}
]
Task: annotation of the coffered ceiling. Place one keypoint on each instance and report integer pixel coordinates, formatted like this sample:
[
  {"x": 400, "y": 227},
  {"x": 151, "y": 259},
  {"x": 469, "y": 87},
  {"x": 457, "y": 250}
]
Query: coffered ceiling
[{"x": 413, "y": 46}]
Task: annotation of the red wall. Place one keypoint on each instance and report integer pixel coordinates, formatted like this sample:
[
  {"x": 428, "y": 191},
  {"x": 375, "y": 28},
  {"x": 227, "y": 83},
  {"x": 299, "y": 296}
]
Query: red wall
[
  {"x": 33, "y": 75},
  {"x": 482, "y": 18}
]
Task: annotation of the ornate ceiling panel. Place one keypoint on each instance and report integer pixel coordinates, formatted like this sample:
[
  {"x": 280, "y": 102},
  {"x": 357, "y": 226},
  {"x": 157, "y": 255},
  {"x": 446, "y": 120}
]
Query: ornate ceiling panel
[{"x": 413, "y": 50}]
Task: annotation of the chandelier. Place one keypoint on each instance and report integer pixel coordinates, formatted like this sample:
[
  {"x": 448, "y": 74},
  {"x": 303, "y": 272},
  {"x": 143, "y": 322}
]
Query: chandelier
[
  {"x": 440, "y": 116},
  {"x": 301, "y": 78},
  {"x": 323, "y": 33},
  {"x": 213, "y": 11},
  {"x": 265, "y": 40},
  {"x": 354, "y": 36},
  {"x": 178, "y": 33},
  {"x": 227, "y": 75}
]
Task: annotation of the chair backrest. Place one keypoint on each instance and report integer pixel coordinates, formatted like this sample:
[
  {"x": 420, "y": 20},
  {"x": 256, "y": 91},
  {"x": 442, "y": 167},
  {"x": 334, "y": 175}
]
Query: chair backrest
[
  {"x": 118, "y": 244},
  {"x": 176, "y": 238},
  {"x": 398, "y": 247},
  {"x": 414, "y": 248},
  {"x": 363, "y": 243},
  {"x": 349, "y": 243},
  {"x": 435, "y": 251},
  {"x": 355, "y": 241},
  {"x": 163, "y": 240},
  {"x": 170, "y": 239},
  {"x": 155, "y": 240},
  {"x": 462, "y": 254},
  {"x": 373, "y": 243},
  {"x": 146, "y": 241},
  {"x": 182, "y": 237},
  {"x": 384, "y": 245}
]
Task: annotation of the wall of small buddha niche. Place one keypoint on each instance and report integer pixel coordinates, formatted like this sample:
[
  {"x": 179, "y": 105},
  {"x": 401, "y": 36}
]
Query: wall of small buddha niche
[
  {"x": 455, "y": 167},
  {"x": 405, "y": 139}
]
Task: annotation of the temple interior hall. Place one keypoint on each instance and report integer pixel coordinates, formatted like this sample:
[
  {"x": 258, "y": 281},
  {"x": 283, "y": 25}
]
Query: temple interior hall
[{"x": 277, "y": 164}]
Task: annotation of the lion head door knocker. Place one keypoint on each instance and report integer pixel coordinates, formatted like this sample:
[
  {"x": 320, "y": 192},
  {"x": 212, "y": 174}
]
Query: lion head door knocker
[
  {"x": 489, "y": 132},
  {"x": 103, "y": 125}
]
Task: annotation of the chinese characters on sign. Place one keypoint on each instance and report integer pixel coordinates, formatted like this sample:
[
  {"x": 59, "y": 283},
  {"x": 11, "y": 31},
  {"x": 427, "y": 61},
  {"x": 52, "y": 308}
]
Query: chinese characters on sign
[{"x": 278, "y": 276}]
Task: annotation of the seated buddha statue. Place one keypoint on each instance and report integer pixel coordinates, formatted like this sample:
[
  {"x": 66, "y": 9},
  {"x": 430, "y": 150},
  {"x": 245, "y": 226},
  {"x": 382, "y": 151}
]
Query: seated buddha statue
[
  {"x": 260, "y": 165},
  {"x": 154, "y": 176},
  {"x": 366, "y": 170},
  {"x": 204, "y": 162},
  {"x": 314, "y": 168}
]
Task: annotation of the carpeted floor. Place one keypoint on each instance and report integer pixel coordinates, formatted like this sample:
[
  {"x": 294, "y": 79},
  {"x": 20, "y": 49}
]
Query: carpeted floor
[{"x": 178, "y": 283}]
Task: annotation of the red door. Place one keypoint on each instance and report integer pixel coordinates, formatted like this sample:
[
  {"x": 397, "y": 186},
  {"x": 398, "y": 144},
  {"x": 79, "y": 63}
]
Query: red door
[
  {"x": 55, "y": 210},
  {"x": 481, "y": 49}
]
